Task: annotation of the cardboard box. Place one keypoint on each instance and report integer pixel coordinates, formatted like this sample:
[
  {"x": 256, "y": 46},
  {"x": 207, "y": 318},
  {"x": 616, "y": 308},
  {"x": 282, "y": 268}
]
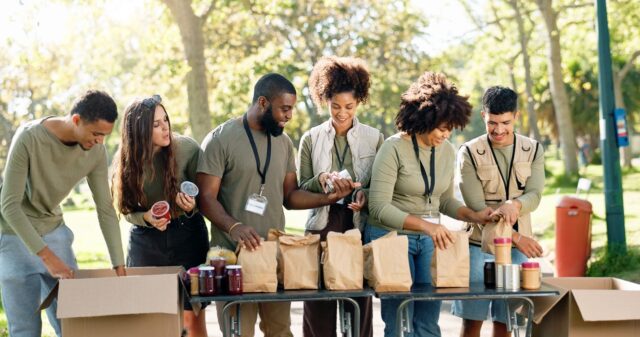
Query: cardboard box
[
  {"x": 147, "y": 302},
  {"x": 588, "y": 306}
]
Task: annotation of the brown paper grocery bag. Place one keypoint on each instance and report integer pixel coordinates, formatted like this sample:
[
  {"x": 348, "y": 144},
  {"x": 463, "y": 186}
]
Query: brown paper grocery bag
[
  {"x": 273, "y": 235},
  {"x": 342, "y": 261},
  {"x": 386, "y": 263},
  {"x": 492, "y": 231},
  {"x": 259, "y": 268},
  {"x": 450, "y": 267},
  {"x": 300, "y": 259}
]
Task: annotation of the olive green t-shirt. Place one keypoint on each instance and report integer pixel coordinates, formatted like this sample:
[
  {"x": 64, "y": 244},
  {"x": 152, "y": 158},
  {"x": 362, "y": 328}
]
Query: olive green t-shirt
[
  {"x": 228, "y": 155},
  {"x": 187, "y": 153},
  {"x": 397, "y": 187},
  {"x": 40, "y": 173}
]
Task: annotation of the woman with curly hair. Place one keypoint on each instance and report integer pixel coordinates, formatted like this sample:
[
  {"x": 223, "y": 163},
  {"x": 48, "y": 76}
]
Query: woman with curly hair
[
  {"x": 340, "y": 143},
  {"x": 148, "y": 167},
  {"x": 412, "y": 183}
]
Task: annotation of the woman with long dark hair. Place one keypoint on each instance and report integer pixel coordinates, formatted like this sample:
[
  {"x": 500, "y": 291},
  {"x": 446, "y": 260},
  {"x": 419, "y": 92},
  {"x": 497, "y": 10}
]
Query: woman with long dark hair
[{"x": 149, "y": 167}]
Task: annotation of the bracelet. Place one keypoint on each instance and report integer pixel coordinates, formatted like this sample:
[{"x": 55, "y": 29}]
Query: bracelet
[
  {"x": 234, "y": 226},
  {"x": 519, "y": 238}
]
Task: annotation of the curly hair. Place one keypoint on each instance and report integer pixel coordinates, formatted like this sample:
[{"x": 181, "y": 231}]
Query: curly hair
[
  {"x": 136, "y": 153},
  {"x": 94, "y": 105},
  {"x": 334, "y": 75},
  {"x": 431, "y": 101}
]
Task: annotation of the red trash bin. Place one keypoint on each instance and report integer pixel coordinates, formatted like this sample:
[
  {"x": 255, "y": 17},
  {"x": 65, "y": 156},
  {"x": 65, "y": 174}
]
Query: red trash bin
[{"x": 573, "y": 236}]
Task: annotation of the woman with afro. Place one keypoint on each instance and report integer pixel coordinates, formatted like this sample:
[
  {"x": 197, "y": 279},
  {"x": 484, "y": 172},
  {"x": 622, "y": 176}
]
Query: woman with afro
[
  {"x": 340, "y": 143},
  {"x": 412, "y": 183}
]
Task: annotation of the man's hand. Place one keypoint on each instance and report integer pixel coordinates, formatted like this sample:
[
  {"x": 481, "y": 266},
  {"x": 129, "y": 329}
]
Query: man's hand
[
  {"x": 120, "y": 270},
  {"x": 526, "y": 245},
  {"x": 342, "y": 188},
  {"x": 160, "y": 224},
  {"x": 55, "y": 266},
  {"x": 510, "y": 211},
  {"x": 245, "y": 235},
  {"x": 483, "y": 216},
  {"x": 359, "y": 203}
]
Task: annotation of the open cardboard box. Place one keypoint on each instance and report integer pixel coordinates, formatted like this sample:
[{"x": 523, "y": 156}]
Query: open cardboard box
[
  {"x": 588, "y": 306},
  {"x": 147, "y": 302}
]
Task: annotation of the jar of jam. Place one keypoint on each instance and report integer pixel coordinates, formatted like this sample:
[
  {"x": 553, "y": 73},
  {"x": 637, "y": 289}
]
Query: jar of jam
[
  {"x": 234, "y": 279},
  {"x": 530, "y": 275},
  {"x": 490, "y": 274},
  {"x": 219, "y": 263},
  {"x": 194, "y": 275},
  {"x": 207, "y": 282},
  {"x": 503, "y": 250}
]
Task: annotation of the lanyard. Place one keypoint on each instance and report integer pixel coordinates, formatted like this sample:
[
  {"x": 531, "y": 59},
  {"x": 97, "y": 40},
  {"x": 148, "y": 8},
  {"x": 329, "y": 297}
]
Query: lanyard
[
  {"x": 344, "y": 154},
  {"x": 428, "y": 189},
  {"x": 263, "y": 173},
  {"x": 509, "y": 168}
]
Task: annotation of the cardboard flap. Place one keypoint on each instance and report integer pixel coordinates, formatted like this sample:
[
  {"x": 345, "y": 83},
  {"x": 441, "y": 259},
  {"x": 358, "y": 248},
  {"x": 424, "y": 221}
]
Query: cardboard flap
[
  {"x": 105, "y": 296},
  {"x": 608, "y": 305},
  {"x": 544, "y": 304}
]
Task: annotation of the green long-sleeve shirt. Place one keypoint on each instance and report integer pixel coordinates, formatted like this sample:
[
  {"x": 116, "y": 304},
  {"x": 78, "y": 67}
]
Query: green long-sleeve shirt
[
  {"x": 187, "y": 153},
  {"x": 40, "y": 173},
  {"x": 471, "y": 186},
  {"x": 397, "y": 188}
]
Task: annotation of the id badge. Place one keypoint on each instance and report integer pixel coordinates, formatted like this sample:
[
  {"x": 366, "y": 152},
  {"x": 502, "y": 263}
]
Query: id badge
[
  {"x": 432, "y": 216},
  {"x": 256, "y": 204}
]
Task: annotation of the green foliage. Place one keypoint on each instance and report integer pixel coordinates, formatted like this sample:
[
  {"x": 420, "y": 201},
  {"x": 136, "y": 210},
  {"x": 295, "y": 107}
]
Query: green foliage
[{"x": 616, "y": 264}]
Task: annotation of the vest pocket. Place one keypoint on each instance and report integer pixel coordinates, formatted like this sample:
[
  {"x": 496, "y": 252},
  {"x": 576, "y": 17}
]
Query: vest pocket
[
  {"x": 523, "y": 172},
  {"x": 490, "y": 178}
]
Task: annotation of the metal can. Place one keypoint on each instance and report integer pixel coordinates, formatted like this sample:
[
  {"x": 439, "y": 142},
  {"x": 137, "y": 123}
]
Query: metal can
[
  {"x": 207, "y": 283},
  {"x": 490, "y": 274},
  {"x": 234, "y": 279},
  {"x": 512, "y": 276},
  {"x": 499, "y": 275}
]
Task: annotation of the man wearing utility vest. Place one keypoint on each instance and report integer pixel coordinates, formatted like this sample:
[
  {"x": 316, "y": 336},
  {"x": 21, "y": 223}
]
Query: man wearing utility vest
[{"x": 504, "y": 171}]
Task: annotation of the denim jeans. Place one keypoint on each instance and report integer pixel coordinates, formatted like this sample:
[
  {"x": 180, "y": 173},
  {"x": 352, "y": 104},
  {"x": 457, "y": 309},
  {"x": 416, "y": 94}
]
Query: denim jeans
[
  {"x": 424, "y": 315},
  {"x": 478, "y": 310},
  {"x": 25, "y": 282}
]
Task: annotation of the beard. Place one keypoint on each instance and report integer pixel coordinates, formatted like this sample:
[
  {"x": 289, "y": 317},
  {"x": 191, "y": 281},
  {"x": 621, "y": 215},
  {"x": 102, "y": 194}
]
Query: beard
[{"x": 270, "y": 124}]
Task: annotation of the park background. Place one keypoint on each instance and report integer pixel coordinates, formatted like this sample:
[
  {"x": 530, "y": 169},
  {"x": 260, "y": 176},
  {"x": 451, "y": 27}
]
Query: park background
[{"x": 203, "y": 57}]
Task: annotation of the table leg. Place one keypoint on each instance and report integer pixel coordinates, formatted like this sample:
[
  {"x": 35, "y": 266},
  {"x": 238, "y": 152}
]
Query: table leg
[
  {"x": 231, "y": 325},
  {"x": 348, "y": 325},
  {"x": 403, "y": 323}
]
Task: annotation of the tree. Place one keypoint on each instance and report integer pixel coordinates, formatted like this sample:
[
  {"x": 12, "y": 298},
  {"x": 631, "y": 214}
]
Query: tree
[
  {"x": 557, "y": 86},
  {"x": 190, "y": 26}
]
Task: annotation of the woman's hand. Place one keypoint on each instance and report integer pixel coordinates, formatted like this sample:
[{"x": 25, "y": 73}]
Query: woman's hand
[
  {"x": 160, "y": 224},
  {"x": 439, "y": 234},
  {"x": 185, "y": 202},
  {"x": 359, "y": 203}
]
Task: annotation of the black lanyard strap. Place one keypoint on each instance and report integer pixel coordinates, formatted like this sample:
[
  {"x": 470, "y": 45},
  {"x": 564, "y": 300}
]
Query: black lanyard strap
[
  {"x": 509, "y": 168},
  {"x": 263, "y": 173},
  {"x": 344, "y": 154},
  {"x": 428, "y": 189}
]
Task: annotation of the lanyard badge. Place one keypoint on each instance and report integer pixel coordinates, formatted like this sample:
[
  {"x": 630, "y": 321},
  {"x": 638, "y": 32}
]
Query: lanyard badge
[{"x": 257, "y": 202}]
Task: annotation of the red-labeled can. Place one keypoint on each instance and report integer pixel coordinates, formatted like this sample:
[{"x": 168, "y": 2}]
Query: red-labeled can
[{"x": 234, "y": 276}]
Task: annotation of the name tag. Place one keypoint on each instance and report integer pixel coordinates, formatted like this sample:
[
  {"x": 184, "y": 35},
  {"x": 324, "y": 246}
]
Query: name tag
[{"x": 256, "y": 204}]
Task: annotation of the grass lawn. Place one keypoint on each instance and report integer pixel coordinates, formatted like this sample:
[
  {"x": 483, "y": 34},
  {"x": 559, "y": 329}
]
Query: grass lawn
[{"x": 92, "y": 252}]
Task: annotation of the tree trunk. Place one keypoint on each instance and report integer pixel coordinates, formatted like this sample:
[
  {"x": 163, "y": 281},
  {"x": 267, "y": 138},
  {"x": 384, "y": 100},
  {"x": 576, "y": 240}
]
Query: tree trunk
[
  {"x": 534, "y": 132},
  {"x": 626, "y": 153},
  {"x": 190, "y": 26},
  {"x": 558, "y": 91}
]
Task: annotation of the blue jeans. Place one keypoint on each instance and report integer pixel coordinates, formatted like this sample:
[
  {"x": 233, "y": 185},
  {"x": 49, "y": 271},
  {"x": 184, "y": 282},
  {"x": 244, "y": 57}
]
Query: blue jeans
[
  {"x": 424, "y": 315},
  {"x": 478, "y": 310},
  {"x": 25, "y": 282}
]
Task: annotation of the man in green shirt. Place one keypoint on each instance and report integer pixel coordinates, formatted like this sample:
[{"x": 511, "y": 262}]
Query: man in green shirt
[
  {"x": 504, "y": 172},
  {"x": 47, "y": 158},
  {"x": 246, "y": 175}
]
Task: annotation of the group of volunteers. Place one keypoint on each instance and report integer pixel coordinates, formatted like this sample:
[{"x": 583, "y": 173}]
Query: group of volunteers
[{"x": 246, "y": 171}]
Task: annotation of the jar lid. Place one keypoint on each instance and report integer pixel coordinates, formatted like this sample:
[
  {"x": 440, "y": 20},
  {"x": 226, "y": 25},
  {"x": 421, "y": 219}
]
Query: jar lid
[
  {"x": 207, "y": 268},
  {"x": 234, "y": 266},
  {"x": 194, "y": 270},
  {"x": 502, "y": 240},
  {"x": 530, "y": 264}
]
